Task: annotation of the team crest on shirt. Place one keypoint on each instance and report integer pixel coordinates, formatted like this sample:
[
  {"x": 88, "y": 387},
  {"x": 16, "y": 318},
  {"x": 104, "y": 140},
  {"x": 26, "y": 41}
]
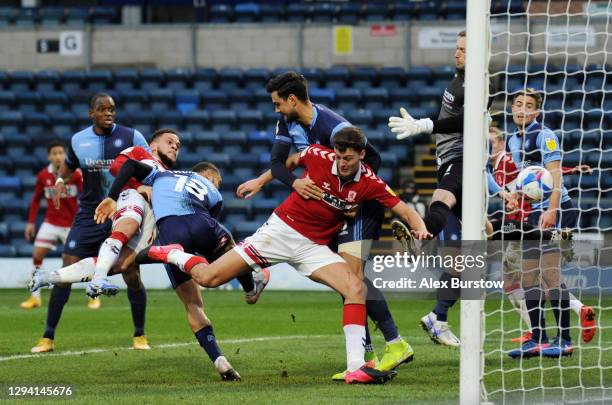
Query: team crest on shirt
[
  {"x": 326, "y": 185},
  {"x": 118, "y": 143},
  {"x": 551, "y": 144},
  {"x": 351, "y": 196}
]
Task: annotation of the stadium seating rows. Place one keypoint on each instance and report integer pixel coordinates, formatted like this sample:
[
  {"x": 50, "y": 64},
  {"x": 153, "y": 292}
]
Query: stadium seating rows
[
  {"x": 266, "y": 12},
  {"x": 225, "y": 116}
]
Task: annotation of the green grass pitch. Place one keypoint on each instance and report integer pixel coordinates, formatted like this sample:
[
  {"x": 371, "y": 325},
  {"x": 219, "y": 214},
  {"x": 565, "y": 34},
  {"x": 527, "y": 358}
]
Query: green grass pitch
[{"x": 286, "y": 348}]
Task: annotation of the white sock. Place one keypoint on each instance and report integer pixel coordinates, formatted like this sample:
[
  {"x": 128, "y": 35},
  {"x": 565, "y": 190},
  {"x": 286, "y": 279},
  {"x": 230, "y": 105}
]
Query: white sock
[
  {"x": 107, "y": 256},
  {"x": 179, "y": 258},
  {"x": 75, "y": 273},
  {"x": 355, "y": 349},
  {"x": 35, "y": 294},
  {"x": 397, "y": 339},
  {"x": 575, "y": 304},
  {"x": 517, "y": 298}
]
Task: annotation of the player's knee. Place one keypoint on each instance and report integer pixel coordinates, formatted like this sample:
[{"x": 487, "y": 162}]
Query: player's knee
[
  {"x": 132, "y": 278},
  {"x": 356, "y": 290},
  {"x": 207, "y": 279}
]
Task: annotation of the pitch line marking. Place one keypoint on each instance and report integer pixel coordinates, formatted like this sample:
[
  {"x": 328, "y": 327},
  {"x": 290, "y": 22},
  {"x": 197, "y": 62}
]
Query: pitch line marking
[{"x": 161, "y": 346}]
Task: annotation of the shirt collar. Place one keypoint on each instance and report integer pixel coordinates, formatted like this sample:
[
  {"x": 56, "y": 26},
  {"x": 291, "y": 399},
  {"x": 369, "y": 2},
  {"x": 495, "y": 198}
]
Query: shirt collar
[
  {"x": 357, "y": 176},
  {"x": 528, "y": 129}
]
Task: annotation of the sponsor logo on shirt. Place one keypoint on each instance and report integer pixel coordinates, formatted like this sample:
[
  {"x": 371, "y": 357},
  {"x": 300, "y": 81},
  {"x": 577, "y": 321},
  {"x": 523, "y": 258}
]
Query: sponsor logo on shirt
[
  {"x": 337, "y": 202},
  {"x": 98, "y": 165}
]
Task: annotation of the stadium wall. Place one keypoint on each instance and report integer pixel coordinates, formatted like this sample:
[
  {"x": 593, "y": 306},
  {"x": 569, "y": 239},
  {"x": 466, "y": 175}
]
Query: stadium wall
[{"x": 281, "y": 45}]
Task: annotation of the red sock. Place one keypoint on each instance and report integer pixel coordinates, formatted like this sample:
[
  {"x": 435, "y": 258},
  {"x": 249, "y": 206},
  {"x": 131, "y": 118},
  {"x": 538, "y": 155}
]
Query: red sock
[
  {"x": 193, "y": 261},
  {"x": 120, "y": 236},
  {"x": 354, "y": 314}
]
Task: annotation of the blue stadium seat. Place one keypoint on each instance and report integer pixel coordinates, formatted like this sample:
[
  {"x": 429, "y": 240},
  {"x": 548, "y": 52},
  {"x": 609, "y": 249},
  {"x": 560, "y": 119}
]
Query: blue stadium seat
[
  {"x": 220, "y": 13},
  {"x": 391, "y": 77},
  {"x": 3, "y": 232},
  {"x": 244, "y": 173},
  {"x": 26, "y": 17},
  {"x": 265, "y": 206},
  {"x": 240, "y": 98},
  {"x": 364, "y": 77},
  {"x": 348, "y": 13},
  {"x": 245, "y": 160},
  {"x": 402, "y": 97},
  {"x": 10, "y": 122},
  {"x": 204, "y": 79},
  {"x": 77, "y": 16},
  {"x": 71, "y": 80},
  {"x": 178, "y": 79},
  {"x": 298, "y": 12},
  {"x": 161, "y": 100},
  {"x": 386, "y": 173},
  {"x": 126, "y": 79},
  {"x": 46, "y": 80},
  {"x": 229, "y": 78},
  {"x": 223, "y": 120},
  {"x": 35, "y": 123},
  {"x": 52, "y": 16},
  {"x": 250, "y": 120},
  {"x": 337, "y": 77},
  {"x": 272, "y": 12},
  {"x": 315, "y": 76},
  {"x": 99, "y": 80},
  {"x": 169, "y": 119},
  {"x": 207, "y": 138},
  {"x": 20, "y": 80},
  {"x": 323, "y": 12},
  {"x": 256, "y": 78},
  {"x": 375, "y": 11},
  {"x": 375, "y": 98},
  {"x": 511, "y": 6},
  {"x": 7, "y": 100},
  {"x": 17, "y": 229},
  {"x": 221, "y": 160},
  {"x": 236, "y": 206},
  {"x": 3, "y": 79},
  {"x": 245, "y": 228},
  {"x": 7, "y": 251},
  {"x": 419, "y": 73},
  {"x": 261, "y": 138},
  {"x": 187, "y": 100},
  {"x": 233, "y": 137},
  {"x": 15, "y": 139},
  {"x": 246, "y": 12},
  {"x": 348, "y": 99},
  {"x": 142, "y": 119},
  {"x": 10, "y": 184},
  {"x": 151, "y": 79},
  {"x": 29, "y": 164},
  {"x": 443, "y": 73},
  {"x": 214, "y": 100},
  {"x": 403, "y": 11},
  {"x": 104, "y": 15},
  {"x": 428, "y": 11},
  {"x": 197, "y": 120},
  {"x": 322, "y": 96},
  {"x": 455, "y": 10},
  {"x": 361, "y": 118},
  {"x": 388, "y": 159},
  {"x": 28, "y": 101},
  {"x": 64, "y": 122},
  {"x": 7, "y": 15},
  {"x": 24, "y": 249},
  {"x": 133, "y": 100}
]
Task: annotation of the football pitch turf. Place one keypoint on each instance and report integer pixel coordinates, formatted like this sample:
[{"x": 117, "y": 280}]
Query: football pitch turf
[{"x": 286, "y": 348}]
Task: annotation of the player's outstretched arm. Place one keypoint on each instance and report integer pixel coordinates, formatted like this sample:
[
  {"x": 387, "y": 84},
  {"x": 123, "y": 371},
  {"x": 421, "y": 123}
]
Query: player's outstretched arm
[
  {"x": 412, "y": 218},
  {"x": 63, "y": 174},
  {"x": 405, "y": 126},
  {"x": 251, "y": 187},
  {"x": 131, "y": 168}
]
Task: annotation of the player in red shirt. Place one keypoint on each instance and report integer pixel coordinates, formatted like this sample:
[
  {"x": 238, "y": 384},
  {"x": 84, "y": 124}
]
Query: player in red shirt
[
  {"x": 298, "y": 232},
  {"x": 505, "y": 172},
  {"x": 57, "y": 222}
]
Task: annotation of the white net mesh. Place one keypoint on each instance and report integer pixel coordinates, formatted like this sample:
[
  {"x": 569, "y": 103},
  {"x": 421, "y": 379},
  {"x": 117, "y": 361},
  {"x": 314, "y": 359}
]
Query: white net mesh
[{"x": 561, "y": 48}]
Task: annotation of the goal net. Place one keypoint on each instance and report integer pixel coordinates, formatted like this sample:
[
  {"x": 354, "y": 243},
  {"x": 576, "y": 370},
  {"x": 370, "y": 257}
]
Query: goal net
[{"x": 560, "y": 48}]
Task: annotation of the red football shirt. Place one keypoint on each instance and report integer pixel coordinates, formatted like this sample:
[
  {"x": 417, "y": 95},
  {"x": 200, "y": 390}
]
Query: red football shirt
[
  {"x": 45, "y": 186},
  {"x": 135, "y": 153},
  {"x": 320, "y": 220}
]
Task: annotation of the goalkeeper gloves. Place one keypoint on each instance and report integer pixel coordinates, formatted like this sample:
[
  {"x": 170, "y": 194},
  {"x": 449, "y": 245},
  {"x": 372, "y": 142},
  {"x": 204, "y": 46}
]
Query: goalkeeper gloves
[{"x": 406, "y": 126}]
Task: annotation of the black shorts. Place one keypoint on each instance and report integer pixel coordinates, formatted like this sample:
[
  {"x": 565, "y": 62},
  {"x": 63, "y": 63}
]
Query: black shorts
[
  {"x": 450, "y": 178},
  {"x": 198, "y": 234},
  {"x": 85, "y": 236}
]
